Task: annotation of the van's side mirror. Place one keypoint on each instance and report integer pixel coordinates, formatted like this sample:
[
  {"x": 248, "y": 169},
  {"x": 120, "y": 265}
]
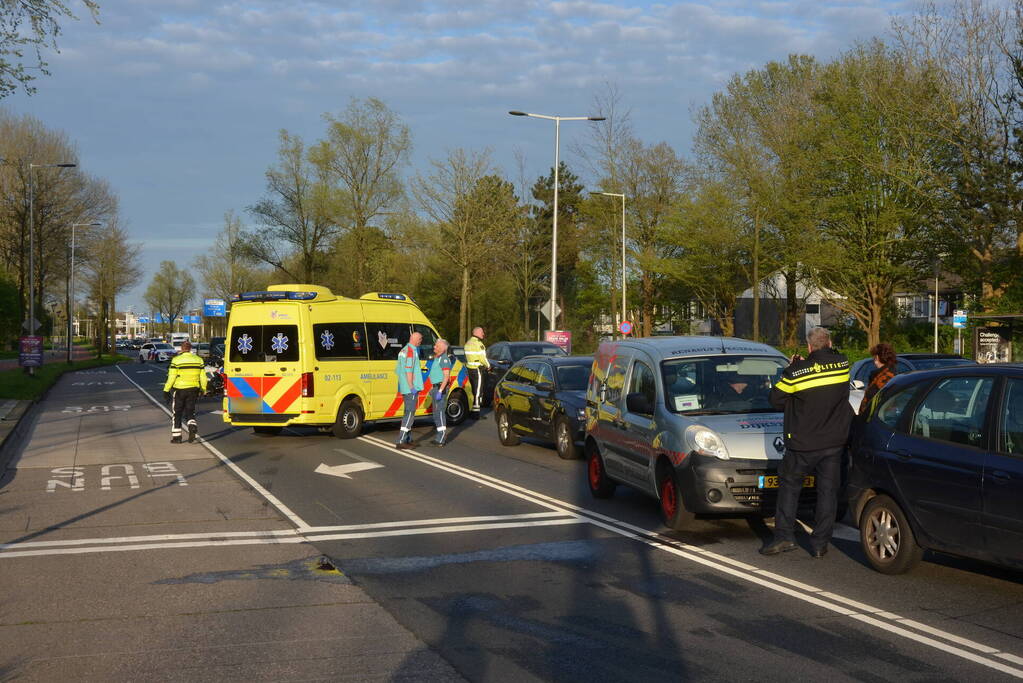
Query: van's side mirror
[{"x": 637, "y": 403}]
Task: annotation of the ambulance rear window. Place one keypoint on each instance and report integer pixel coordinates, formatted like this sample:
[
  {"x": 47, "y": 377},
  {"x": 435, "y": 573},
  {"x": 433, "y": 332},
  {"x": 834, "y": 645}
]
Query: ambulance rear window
[{"x": 264, "y": 344}]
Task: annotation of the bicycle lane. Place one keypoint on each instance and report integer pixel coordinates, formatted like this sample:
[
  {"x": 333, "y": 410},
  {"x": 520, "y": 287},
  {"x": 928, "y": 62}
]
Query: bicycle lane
[{"x": 134, "y": 557}]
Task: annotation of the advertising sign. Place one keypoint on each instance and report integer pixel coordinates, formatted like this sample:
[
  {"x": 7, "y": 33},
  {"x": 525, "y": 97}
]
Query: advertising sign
[
  {"x": 560, "y": 338},
  {"x": 959, "y": 319},
  {"x": 992, "y": 345},
  {"x": 214, "y": 308},
  {"x": 30, "y": 352}
]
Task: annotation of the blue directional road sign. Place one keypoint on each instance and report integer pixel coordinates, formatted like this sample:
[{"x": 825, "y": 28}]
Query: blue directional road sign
[
  {"x": 959, "y": 319},
  {"x": 214, "y": 308}
]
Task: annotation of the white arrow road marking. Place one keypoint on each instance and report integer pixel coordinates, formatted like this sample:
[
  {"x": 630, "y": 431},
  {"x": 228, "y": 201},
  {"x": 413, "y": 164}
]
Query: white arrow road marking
[{"x": 344, "y": 470}]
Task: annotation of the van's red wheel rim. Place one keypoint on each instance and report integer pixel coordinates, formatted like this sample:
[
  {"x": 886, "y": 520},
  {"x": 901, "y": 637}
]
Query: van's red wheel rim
[
  {"x": 669, "y": 497},
  {"x": 596, "y": 471}
]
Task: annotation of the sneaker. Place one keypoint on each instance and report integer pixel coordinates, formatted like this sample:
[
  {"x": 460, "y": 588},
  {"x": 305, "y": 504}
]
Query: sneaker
[
  {"x": 192, "y": 429},
  {"x": 175, "y": 439}
]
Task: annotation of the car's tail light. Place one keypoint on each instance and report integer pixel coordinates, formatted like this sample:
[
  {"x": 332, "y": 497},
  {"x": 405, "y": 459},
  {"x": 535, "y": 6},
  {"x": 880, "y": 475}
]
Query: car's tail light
[{"x": 307, "y": 385}]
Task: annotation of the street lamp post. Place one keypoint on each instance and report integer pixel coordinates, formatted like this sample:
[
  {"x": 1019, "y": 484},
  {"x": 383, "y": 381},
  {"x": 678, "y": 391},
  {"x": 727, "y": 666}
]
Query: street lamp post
[
  {"x": 32, "y": 248},
  {"x": 937, "y": 272},
  {"x": 71, "y": 283},
  {"x": 622, "y": 196},
  {"x": 557, "y": 161}
]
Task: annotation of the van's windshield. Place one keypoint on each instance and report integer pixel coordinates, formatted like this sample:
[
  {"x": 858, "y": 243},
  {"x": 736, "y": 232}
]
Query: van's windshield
[
  {"x": 264, "y": 344},
  {"x": 711, "y": 385}
]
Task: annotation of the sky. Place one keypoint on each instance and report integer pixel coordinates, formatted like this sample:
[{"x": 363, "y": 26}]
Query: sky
[{"x": 178, "y": 103}]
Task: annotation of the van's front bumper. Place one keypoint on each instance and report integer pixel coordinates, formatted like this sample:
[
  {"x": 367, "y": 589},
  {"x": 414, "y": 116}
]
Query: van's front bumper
[{"x": 713, "y": 486}]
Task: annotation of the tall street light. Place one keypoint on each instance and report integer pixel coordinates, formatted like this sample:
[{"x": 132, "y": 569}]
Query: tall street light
[
  {"x": 71, "y": 282},
  {"x": 622, "y": 196},
  {"x": 32, "y": 248},
  {"x": 554, "y": 239},
  {"x": 937, "y": 272}
]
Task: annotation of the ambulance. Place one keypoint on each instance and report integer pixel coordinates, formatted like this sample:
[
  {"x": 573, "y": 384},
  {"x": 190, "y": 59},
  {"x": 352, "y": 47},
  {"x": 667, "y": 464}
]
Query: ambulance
[{"x": 298, "y": 354}]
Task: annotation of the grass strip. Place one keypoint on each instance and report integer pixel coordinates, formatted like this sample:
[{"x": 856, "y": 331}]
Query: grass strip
[{"x": 16, "y": 384}]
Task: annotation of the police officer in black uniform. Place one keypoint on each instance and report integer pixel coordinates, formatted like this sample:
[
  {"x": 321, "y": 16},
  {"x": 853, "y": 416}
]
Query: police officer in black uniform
[{"x": 814, "y": 393}]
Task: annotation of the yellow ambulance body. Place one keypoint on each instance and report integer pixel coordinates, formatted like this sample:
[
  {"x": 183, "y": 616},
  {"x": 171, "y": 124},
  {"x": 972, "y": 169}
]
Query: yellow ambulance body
[{"x": 301, "y": 355}]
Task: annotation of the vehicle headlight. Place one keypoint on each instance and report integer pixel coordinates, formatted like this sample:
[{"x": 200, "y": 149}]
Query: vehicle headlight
[
  {"x": 706, "y": 442},
  {"x": 581, "y": 414}
]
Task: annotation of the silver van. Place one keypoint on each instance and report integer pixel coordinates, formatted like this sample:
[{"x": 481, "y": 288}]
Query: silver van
[{"x": 686, "y": 420}]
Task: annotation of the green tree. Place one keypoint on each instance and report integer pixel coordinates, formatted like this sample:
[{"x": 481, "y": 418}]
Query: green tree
[
  {"x": 111, "y": 267},
  {"x": 227, "y": 268},
  {"x": 170, "y": 292},
  {"x": 297, "y": 219},
  {"x": 30, "y": 26},
  {"x": 570, "y": 203}
]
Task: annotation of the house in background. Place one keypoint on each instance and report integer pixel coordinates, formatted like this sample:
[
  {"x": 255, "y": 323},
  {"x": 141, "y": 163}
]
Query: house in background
[{"x": 814, "y": 310}]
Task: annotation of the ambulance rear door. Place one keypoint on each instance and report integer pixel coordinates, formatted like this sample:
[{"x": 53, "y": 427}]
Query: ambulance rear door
[{"x": 264, "y": 363}]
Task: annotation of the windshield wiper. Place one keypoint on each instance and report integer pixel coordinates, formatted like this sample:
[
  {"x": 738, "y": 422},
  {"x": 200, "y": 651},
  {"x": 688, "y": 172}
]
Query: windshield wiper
[{"x": 704, "y": 412}]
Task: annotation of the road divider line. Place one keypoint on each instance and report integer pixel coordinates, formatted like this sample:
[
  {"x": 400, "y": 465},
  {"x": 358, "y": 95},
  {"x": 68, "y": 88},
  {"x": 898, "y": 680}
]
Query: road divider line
[
  {"x": 282, "y": 532},
  {"x": 255, "y": 485},
  {"x": 297, "y": 538},
  {"x": 810, "y": 594}
]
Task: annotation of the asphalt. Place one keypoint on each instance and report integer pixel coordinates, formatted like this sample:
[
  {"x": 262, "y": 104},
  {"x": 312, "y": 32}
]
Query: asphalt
[{"x": 474, "y": 561}]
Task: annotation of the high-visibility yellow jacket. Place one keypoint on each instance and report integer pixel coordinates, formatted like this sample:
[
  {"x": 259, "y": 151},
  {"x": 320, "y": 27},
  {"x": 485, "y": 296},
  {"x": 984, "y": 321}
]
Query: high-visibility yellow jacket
[
  {"x": 476, "y": 354},
  {"x": 186, "y": 371}
]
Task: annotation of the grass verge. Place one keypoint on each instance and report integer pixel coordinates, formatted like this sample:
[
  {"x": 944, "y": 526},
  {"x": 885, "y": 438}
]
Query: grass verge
[{"x": 18, "y": 385}]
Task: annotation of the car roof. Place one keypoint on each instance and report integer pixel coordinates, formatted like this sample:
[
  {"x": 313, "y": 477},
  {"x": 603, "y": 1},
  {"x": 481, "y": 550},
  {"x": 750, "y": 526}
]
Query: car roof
[
  {"x": 674, "y": 347},
  {"x": 982, "y": 370},
  {"x": 559, "y": 360},
  {"x": 930, "y": 356},
  {"x": 528, "y": 343}
]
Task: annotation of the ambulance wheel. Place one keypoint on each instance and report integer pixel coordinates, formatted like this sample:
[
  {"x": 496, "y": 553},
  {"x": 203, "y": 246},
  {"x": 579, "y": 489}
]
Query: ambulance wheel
[
  {"x": 457, "y": 407},
  {"x": 269, "y": 431},
  {"x": 349, "y": 419}
]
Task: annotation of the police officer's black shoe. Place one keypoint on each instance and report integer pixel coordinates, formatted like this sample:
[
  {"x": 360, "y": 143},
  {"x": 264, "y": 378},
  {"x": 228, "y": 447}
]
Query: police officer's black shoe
[
  {"x": 778, "y": 547},
  {"x": 819, "y": 553},
  {"x": 175, "y": 439},
  {"x": 192, "y": 429}
]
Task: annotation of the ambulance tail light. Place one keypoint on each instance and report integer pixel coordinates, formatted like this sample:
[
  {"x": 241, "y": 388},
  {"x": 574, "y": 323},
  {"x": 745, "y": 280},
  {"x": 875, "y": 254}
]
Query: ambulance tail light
[{"x": 307, "y": 385}]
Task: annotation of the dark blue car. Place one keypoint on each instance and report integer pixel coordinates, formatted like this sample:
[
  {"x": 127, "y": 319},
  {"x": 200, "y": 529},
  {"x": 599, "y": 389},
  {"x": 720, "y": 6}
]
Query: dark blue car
[
  {"x": 938, "y": 465},
  {"x": 544, "y": 397}
]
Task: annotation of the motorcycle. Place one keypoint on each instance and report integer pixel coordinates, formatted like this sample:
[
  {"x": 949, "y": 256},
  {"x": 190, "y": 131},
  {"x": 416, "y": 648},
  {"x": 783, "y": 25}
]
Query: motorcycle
[{"x": 215, "y": 376}]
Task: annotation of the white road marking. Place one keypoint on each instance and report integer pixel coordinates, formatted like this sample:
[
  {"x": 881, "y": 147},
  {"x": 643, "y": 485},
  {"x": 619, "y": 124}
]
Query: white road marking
[
  {"x": 720, "y": 563},
  {"x": 299, "y": 537},
  {"x": 310, "y": 532},
  {"x": 345, "y": 470},
  {"x": 255, "y": 485}
]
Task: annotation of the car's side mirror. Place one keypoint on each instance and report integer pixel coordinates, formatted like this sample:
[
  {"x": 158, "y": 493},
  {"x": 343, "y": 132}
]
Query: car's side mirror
[
  {"x": 545, "y": 386},
  {"x": 858, "y": 384},
  {"x": 639, "y": 404}
]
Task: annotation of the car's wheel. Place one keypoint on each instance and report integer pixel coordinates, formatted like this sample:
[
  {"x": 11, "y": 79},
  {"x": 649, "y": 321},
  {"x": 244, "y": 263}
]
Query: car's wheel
[
  {"x": 457, "y": 407},
  {"x": 504, "y": 429},
  {"x": 600, "y": 485},
  {"x": 886, "y": 537},
  {"x": 673, "y": 510},
  {"x": 267, "y": 431},
  {"x": 350, "y": 417},
  {"x": 564, "y": 439}
]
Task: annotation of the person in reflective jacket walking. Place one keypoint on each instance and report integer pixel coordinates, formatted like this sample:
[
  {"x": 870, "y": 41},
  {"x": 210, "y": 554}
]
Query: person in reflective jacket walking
[
  {"x": 186, "y": 380},
  {"x": 475, "y": 361}
]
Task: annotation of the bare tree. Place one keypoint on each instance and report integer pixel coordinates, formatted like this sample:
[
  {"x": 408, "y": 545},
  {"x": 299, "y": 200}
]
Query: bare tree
[{"x": 227, "y": 269}]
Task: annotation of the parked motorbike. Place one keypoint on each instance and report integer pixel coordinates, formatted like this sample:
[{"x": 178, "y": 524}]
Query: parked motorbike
[{"x": 214, "y": 376}]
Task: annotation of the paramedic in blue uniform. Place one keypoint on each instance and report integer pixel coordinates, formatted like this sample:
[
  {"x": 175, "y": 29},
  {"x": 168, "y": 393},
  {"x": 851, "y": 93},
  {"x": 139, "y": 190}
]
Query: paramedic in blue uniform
[
  {"x": 410, "y": 383},
  {"x": 440, "y": 380}
]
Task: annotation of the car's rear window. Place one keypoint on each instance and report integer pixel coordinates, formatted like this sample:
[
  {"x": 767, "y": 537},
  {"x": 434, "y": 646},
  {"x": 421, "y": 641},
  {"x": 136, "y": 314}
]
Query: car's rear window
[
  {"x": 264, "y": 344},
  {"x": 573, "y": 377},
  {"x": 520, "y": 352},
  {"x": 929, "y": 363}
]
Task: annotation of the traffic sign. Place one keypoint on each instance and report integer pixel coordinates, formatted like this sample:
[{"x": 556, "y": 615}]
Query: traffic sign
[
  {"x": 545, "y": 308},
  {"x": 625, "y": 327},
  {"x": 34, "y": 325},
  {"x": 214, "y": 308},
  {"x": 959, "y": 319}
]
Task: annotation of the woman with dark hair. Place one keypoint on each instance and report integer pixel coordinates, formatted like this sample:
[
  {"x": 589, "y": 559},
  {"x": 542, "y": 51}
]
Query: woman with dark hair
[{"x": 884, "y": 361}]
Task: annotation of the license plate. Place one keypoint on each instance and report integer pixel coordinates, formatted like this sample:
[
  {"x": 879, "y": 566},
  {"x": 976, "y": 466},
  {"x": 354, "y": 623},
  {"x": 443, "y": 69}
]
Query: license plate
[
  {"x": 770, "y": 481},
  {"x": 246, "y": 406}
]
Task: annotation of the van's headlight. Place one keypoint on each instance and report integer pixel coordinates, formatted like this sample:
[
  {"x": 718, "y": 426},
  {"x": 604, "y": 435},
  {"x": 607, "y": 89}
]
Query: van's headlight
[{"x": 706, "y": 442}]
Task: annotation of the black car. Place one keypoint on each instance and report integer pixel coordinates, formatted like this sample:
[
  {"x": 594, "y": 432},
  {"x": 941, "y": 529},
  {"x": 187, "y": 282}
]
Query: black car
[
  {"x": 907, "y": 362},
  {"x": 544, "y": 397},
  {"x": 939, "y": 465},
  {"x": 503, "y": 354}
]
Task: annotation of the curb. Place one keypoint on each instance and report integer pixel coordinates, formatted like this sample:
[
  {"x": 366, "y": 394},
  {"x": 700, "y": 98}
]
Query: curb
[{"x": 13, "y": 426}]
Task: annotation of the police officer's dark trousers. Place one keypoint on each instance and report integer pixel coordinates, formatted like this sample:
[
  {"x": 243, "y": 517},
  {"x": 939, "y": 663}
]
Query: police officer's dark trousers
[
  {"x": 183, "y": 407},
  {"x": 826, "y": 465},
  {"x": 476, "y": 380}
]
